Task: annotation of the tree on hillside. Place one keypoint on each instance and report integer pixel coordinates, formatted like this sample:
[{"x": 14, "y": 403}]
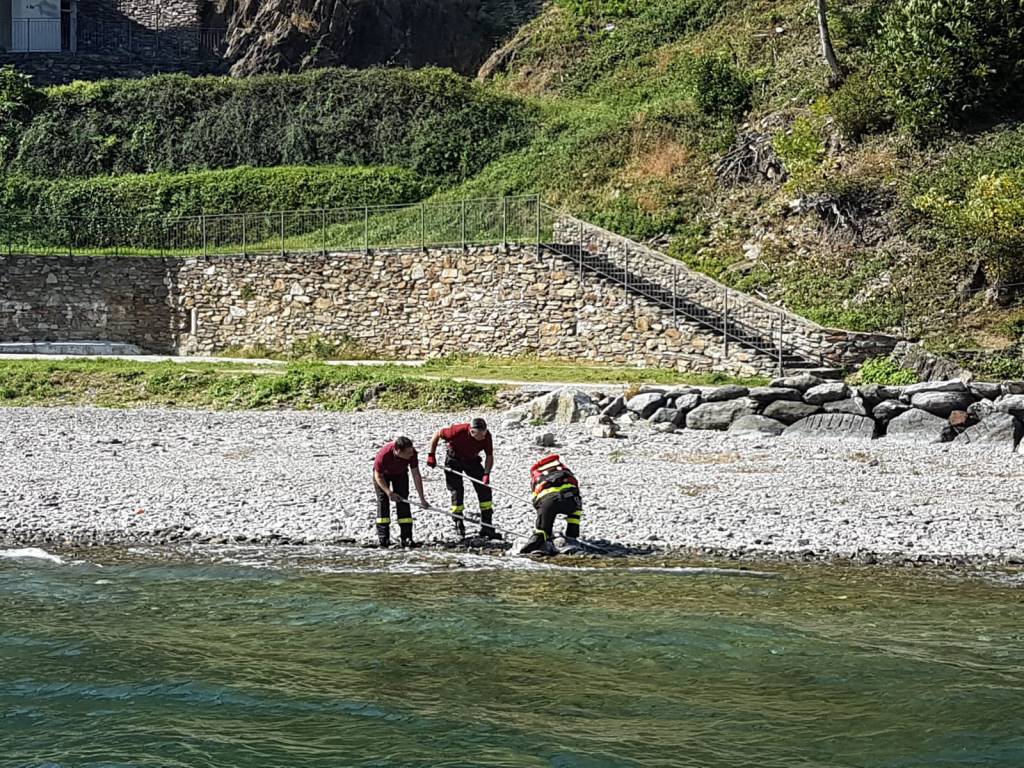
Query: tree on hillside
[{"x": 826, "y": 42}]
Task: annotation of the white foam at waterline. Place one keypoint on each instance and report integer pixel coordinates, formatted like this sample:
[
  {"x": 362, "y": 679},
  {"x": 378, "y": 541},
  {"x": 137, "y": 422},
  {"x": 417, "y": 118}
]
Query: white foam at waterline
[
  {"x": 697, "y": 571},
  {"x": 31, "y": 553}
]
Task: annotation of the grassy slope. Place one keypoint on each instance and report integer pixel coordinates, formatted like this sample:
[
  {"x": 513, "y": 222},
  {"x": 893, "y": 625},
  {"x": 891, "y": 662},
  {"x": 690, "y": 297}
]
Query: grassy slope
[
  {"x": 298, "y": 385},
  {"x": 624, "y": 141}
]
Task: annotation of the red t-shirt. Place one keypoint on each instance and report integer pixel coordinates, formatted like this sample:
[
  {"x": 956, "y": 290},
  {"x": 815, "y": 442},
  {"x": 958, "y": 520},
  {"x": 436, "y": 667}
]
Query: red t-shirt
[
  {"x": 463, "y": 445},
  {"x": 390, "y": 464}
]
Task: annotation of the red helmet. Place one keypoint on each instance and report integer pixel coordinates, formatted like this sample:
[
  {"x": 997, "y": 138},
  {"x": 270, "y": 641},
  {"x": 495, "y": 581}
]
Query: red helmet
[{"x": 548, "y": 462}]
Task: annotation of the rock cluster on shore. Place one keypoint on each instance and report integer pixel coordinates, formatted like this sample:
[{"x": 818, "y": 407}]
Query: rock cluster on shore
[{"x": 974, "y": 413}]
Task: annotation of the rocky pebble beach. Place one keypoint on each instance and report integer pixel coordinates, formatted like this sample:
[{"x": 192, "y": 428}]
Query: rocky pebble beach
[{"x": 83, "y": 476}]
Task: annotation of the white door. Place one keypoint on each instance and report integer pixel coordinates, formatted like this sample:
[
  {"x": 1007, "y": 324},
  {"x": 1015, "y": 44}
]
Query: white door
[{"x": 35, "y": 25}]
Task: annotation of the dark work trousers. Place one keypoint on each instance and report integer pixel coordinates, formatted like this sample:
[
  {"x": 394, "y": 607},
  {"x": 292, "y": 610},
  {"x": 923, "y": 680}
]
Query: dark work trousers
[
  {"x": 551, "y": 506},
  {"x": 474, "y": 469},
  {"x": 399, "y": 485}
]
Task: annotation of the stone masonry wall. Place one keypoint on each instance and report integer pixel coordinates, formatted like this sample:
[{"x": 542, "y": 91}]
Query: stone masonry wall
[
  {"x": 80, "y": 298},
  {"x": 814, "y": 343},
  {"x": 129, "y": 38},
  {"x": 396, "y": 303}
]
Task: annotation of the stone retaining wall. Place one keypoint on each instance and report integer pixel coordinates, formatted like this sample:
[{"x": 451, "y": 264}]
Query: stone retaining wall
[
  {"x": 395, "y": 303},
  {"x": 79, "y": 298},
  {"x": 810, "y": 341}
]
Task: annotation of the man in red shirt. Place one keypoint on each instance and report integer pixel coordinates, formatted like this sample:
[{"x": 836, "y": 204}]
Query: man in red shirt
[
  {"x": 391, "y": 483},
  {"x": 465, "y": 442}
]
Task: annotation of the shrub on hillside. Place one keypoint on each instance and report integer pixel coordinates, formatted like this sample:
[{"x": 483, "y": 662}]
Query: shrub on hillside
[
  {"x": 17, "y": 100},
  {"x": 988, "y": 219},
  {"x": 719, "y": 87},
  {"x": 886, "y": 371},
  {"x": 946, "y": 60},
  {"x": 136, "y": 202},
  {"x": 426, "y": 119},
  {"x": 859, "y": 106}
]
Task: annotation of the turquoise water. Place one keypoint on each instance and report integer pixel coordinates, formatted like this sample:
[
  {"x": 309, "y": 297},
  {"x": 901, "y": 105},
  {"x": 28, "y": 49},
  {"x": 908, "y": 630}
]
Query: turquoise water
[{"x": 432, "y": 662}]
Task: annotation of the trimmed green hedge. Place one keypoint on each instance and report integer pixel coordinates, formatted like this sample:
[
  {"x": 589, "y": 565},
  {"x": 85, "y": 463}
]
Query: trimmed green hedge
[
  {"x": 431, "y": 121},
  {"x": 187, "y": 194}
]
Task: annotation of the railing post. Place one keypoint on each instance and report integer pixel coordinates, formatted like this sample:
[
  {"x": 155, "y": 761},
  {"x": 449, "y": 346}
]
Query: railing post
[
  {"x": 423, "y": 228},
  {"x": 463, "y": 225},
  {"x": 203, "y": 220},
  {"x": 244, "y": 244},
  {"x": 781, "y": 371},
  {"x": 366, "y": 229},
  {"x": 725, "y": 322},
  {"x": 282, "y": 234},
  {"x": 675, "y": 293},
  {"x": 323, "y": 231},
  {"x": 537, "y": 201},
  {"x": 504, "y": 221}
]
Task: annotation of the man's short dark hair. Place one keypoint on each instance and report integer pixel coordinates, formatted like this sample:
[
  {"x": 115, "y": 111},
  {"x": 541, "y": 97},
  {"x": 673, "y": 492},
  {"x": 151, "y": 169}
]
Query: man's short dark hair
[
  {"x": 403, "y": 443},
  {"x": 478, "y": 423}
]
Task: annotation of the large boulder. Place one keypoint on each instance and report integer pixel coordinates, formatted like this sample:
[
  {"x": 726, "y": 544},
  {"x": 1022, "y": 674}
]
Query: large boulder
[
  {"x": 1011, "y": 404},
  {"x": 854, "y": 405},
  {"x": 951, "y": 385},
  {"x": 1012, "y": 388},
  {"x": 768, "y": 395},
  {"x": 918, "y": 426},
  {"x": 887, "y": 410},
  {"x": 985, "y": 389},
  {"x": 833, "y": 425},
  {"x": 574, "y": 405},
  {"x": 668, "y": 416},
  {"x": 720, "y": 415},
  {"x": 802, "y": 383},
  {"x": 788, "y": 412},
  {"x": 686, "y": 403},
  {"x": 646, "y": 403},
  {"x": 728, "y": 392},
  {"x": 677, "y": 392},
  {"x": 874, "y": 394},
  {"x": 543, "y": 408},
  {"x": 981, "y": 410},
  {"x": 942, "y": 403},
  {"x": 999, "y": 430},
  {"x": 615, "y": 408},
  {"x": 756, "y": 425},
  {"x": 827, "y": 393}
]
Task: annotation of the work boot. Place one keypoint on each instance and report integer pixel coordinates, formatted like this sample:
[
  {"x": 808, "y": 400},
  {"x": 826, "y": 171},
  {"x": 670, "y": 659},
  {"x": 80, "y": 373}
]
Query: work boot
[
  {"x": 384, "y": 535},
  {"x": 486, "y": 529},
  {"x": 406, "y": 534},
  {"x": 460, "y": 528},
  {"x": 538, "y": 544}
]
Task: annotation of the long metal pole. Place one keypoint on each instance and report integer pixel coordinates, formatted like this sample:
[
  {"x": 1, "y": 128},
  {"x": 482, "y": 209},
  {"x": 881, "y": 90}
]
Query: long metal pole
[
  {"x": 523, "y": 499},
  {"x": 464, "y": 518}
]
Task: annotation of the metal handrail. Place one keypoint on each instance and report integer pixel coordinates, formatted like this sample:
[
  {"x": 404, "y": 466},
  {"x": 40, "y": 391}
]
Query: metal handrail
[{"x": 754, "y": 338}]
